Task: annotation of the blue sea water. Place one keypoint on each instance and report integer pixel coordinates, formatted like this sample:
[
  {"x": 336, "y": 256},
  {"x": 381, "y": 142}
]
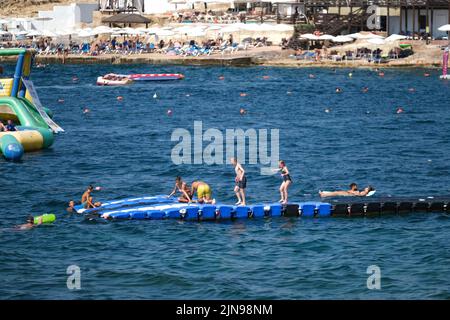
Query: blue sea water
[{"x": 125, "y": 147}]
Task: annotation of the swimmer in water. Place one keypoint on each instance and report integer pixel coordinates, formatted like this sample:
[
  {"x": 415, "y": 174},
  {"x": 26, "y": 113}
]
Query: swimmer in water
[
  {"x": 241, "y": 181},
  {"x": 182, "y": 187},
  {"x": 242, "y": 111},
  {"x": 338, "y": 90},
  {"x": 30, "y": 223},
  {"x": 86, "y": 110},
  {"x": 71, "y": 207},
  {"x": 353, "y": 191},
  {"x": 203, "y": 192},
  {"x": 365, "y": 89},
  {"x": 287, "y": 181}
]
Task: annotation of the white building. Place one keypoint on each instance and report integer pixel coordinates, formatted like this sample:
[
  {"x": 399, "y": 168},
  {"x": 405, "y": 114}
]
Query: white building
[{"x": 65, "y": 17}]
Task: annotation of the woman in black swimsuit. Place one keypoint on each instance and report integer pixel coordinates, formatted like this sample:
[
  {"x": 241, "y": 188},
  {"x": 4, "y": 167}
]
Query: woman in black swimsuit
[{"x": 286, "y": 182}]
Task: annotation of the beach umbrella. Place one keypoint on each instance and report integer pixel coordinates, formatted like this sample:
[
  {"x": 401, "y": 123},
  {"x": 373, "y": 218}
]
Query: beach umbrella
[
  {"x": 326, "y": 37},
  {"x": 165, "y": 33},
  {"x": 283, "y": 27},
  {"x": 377, "y": 41},
  {"x": 153, "y": 30},
  {"x": 361, "y": 35},
  {"x": 34, "y": 33},
  {"x": 395, "y": 37},
  {"x": 309, "y": 36},
  {"x": 196, "y": 33},
  {"x": 215, "y": 28},
  {"x": 84, "y": 34},
  {"x": 20, "y": 33},
  {"x": 342, "y": 39},
  {"x": 445, "y": 27},
  {"x": 65, "y": 32},
  {"x": 231, "y": 28},
  {"x": 102, "y": 30}
]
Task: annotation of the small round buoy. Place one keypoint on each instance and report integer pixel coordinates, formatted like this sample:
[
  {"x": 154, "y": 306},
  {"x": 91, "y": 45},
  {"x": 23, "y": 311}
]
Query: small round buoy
[
  {"x": 350, "y": 75},
  {"x": 221, "y": 78},
  {"x": 86, "y": 110},
  {"x": 289, "y": 92},
  {"x": 169, "y": 112},
  {"x": 399, "y": 110},
  {"x": 119, "y": 98},
  {"x": 243, "y": 94},
  {"x": 327, "y": 110},
  {"x": 98, "y": 188},
  {"x": 188, "y": 95},
  {"x": 411, "y": 90},
  {"x": 155, "y": 96}
]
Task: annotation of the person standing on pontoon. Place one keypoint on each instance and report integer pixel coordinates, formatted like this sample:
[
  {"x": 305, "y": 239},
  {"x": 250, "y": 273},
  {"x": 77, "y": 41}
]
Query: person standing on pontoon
[
  {"x": 241, "y": 182},
  {"x": 287, "y": 181}
]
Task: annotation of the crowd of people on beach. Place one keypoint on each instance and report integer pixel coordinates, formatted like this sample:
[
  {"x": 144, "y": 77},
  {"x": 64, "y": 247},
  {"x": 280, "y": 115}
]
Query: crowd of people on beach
[{"x": 138, "y": 45}]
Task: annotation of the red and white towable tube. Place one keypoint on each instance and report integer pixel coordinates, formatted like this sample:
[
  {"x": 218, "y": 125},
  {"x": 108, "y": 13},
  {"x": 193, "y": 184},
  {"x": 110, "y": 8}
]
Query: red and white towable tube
[{"x": 155, "y": 76}]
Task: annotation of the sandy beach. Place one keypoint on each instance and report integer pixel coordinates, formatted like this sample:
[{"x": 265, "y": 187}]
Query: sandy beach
[{"x": 424, "y": 56}]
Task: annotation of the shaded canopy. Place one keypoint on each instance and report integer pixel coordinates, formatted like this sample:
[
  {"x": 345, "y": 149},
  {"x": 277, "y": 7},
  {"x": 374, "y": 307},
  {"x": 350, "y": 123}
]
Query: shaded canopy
[{"x": 127, "y": 18}]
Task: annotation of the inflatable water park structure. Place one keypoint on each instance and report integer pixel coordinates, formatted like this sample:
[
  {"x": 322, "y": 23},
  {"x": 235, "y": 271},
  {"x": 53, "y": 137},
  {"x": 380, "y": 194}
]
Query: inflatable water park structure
[{"x": 20, "y": 103}]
